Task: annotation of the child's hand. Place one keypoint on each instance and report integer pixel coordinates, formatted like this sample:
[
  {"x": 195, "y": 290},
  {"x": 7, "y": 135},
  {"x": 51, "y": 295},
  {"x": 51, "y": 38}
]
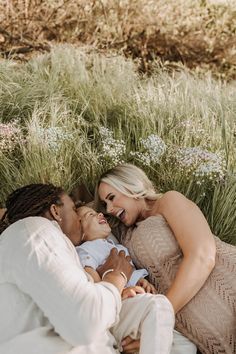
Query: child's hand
[
  {"x": 148, "y": 287},
  {"x": 131, "y": 291}
]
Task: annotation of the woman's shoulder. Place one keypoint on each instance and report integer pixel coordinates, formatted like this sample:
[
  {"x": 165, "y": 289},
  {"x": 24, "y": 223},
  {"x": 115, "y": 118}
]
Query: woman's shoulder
[
  {"x": 169, "y": 202},
  {"x": 163, "y": 203},
  {"x": 170, "y": 196}
]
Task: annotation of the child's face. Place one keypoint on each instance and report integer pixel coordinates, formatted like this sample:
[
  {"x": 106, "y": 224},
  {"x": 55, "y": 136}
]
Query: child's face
[{"x": 94, "y": 225}]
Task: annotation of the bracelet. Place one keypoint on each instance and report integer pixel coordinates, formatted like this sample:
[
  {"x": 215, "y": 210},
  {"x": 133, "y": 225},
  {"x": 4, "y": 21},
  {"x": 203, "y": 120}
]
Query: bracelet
[{"x": 113, "y": 270}]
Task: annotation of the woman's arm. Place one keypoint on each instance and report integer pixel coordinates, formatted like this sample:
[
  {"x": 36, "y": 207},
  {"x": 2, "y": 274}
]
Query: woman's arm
[{"x": 195, "y": 238}]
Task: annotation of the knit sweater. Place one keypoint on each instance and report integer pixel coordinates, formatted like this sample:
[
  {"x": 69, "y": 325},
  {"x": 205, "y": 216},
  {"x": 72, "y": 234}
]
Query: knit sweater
[{"x": 209, "y": 319}]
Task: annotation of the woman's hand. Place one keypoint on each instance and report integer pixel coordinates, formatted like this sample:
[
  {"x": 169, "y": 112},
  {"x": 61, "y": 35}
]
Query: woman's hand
[
  {"x": 117, "y": 261},
  {"x": 130, "y": 345},
  {"x": 148, "y": 287},
  {"x": 131, "y": 291}
]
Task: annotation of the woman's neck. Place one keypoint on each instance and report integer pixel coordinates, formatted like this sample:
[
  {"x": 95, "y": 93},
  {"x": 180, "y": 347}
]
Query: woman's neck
[{"x": 148, "y": 210}]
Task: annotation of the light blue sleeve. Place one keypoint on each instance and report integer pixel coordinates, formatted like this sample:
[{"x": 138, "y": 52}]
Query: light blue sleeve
[
  {"x": 86, "y": 259},
  {"x": 137, "y": 273}
]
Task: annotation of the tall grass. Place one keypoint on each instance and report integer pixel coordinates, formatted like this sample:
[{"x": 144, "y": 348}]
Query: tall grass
[{"x": 62, "y": 99}]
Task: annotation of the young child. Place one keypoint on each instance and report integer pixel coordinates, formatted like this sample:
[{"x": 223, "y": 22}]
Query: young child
[
  {"x": 96, "y": 247},
  {"x": 145, "y": 316}
]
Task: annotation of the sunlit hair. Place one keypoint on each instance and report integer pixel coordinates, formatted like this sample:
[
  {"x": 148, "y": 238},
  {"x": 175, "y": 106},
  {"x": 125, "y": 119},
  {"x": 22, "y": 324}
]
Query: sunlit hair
[
  {"x": 30, "y": 200},
  {"x": 130, "y": 181}
]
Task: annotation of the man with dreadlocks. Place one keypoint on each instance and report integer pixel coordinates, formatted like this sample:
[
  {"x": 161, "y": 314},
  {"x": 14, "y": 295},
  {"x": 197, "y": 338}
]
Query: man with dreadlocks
[{"x": 49, "y": 305}]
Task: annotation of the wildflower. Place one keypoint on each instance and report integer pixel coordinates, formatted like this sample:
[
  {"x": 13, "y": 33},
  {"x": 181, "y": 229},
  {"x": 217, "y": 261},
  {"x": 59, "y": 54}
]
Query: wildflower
[
  {"x": 200, "y": 163},
  {"x": 10, "y": 136},
  {"x": 52, "y": 137},
  {"x": 151, "y": 150},
  {"x": 112, "y": 150}
]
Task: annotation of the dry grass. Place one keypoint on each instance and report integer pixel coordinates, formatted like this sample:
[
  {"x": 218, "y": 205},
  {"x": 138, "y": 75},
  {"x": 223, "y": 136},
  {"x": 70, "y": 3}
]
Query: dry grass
[{"x": 199, "y": 34}]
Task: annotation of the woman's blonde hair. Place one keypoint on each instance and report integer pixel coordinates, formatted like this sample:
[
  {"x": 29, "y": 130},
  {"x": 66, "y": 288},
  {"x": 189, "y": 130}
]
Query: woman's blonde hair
[{"x": 130, "y": 181}]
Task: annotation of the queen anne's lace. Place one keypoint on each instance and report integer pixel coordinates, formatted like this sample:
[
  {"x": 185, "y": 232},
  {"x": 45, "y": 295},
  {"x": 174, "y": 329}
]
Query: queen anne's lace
[
  {"x": 151, "y": 150},
  {"x": 200, "y": 163},
  {"x": 53, "y": 137},
  {"x": 112, "y": 150}
]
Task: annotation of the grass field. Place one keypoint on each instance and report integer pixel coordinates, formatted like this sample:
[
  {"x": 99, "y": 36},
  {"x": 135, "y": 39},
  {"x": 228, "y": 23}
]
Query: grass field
[{"x": 69, "y": 115}]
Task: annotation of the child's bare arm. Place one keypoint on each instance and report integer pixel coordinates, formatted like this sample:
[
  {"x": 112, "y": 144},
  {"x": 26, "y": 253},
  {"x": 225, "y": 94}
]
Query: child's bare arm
[
  {"x": 132, "y": 291},
  {"x": 148, "y": 287},
  {"x": 94, "y": 274}
]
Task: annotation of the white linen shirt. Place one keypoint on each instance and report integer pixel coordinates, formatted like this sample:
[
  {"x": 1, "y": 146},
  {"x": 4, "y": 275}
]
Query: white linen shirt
[
  {"x": 94, "y": 253},
  {"x": 48, "y": 304}
]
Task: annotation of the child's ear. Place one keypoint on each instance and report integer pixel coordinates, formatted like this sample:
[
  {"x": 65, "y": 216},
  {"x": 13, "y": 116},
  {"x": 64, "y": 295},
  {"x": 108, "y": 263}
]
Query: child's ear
[{"x": 55, "y": 212}]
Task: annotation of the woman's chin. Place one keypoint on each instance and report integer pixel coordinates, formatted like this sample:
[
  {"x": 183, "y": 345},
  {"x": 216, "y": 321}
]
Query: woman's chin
[{"x": 127, "y": 222}]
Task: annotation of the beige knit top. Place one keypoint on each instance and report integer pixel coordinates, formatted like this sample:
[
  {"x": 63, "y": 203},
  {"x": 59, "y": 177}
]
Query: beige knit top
[{"x": 209, "y": 319}]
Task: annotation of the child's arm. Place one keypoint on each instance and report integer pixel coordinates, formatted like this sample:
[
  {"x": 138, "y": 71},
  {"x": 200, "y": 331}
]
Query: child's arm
[
  {"x": 131, "y": 291},
  {"x": 148, "y": 287},
  {"x": 94, "y": 274}
]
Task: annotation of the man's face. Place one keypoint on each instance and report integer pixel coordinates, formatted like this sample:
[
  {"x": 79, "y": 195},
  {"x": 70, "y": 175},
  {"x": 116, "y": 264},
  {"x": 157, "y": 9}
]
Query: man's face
[{"x": 70, "y": 221}]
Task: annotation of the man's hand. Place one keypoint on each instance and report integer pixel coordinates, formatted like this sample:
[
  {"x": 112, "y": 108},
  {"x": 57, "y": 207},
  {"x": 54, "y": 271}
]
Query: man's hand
[
  {"x": 148, "y": 287},
  {"x": 117, "y": 261},
  {"x": 131, "y": 291}
]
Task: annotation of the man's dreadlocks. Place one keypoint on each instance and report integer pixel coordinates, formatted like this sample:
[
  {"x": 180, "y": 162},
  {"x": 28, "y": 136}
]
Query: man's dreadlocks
[{"x": 30, "y": 200}]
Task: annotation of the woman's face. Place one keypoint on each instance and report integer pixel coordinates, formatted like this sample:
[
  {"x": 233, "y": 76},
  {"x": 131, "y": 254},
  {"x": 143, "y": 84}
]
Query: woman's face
[
  {"x": 70, "y": 222},
  {"x": 94, "y": 225},
  {"x": 128, "y": 210}
]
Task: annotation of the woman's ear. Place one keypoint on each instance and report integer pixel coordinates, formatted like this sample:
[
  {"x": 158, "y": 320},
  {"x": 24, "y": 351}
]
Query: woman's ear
[{"x": 55, "y": 212}]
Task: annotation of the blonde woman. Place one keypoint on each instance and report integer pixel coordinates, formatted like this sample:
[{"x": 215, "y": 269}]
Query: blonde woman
[{"x": 169, "y": 236}]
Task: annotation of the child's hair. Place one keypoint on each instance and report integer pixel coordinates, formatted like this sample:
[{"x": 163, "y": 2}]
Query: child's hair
[
  {"x": 79, "y": 207},
  {"x": 30, "y": 200}
]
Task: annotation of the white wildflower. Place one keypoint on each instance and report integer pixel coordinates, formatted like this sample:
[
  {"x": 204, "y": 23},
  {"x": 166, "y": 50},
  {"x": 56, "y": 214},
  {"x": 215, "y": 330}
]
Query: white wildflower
[
  {"x": 201, "y": 163},
  {"x": 143, "y": 158},
  {"x": 112, "y": 150},
  {"x": 152, "y": 149},
  {"x": 53, "y": 137}
]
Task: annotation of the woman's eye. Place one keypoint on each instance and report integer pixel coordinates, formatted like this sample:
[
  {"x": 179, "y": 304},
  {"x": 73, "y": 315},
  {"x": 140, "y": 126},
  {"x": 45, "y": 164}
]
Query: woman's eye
[{"x": 111, "y": 197}]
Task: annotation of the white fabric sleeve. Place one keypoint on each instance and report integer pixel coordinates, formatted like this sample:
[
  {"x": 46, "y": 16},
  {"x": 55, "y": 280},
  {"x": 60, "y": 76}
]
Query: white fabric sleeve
[{"x": 44, "y": 265}]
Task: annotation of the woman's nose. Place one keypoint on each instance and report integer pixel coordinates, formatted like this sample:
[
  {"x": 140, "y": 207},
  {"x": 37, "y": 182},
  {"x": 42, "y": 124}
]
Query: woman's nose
[{"x": 109, "y": 208}]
